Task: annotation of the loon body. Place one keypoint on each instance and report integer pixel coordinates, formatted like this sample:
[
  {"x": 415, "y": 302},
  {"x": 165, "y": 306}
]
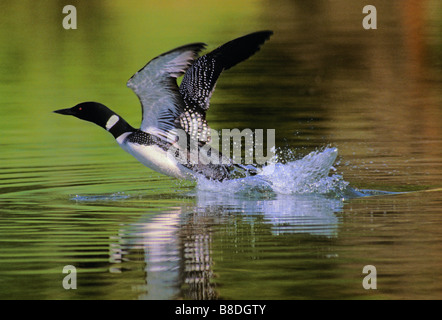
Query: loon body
[{"x": 170, "y": 111}]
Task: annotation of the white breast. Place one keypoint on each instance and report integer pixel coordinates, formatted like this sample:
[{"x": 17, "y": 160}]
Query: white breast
[{"x": 155, "y": 158}]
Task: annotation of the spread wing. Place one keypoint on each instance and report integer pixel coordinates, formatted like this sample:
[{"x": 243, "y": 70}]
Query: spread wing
[
  {"x": 156, "y": 87},
  {"x": 200, "y": 79}
]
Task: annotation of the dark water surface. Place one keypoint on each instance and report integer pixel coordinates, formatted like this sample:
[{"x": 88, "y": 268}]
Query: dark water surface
[{"x": 70, "y": 196}]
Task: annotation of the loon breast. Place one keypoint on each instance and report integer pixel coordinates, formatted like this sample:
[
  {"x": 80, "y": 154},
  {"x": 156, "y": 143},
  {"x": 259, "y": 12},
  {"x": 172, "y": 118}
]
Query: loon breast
[{"x": 152, "y": 152}]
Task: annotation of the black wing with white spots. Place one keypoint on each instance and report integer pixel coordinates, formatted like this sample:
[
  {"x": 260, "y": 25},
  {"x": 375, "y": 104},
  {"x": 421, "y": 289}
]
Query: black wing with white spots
[{"x": 200, "y": 79}]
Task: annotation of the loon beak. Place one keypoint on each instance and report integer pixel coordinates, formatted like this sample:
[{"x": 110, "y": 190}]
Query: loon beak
[{"x": 65, "y": 111}]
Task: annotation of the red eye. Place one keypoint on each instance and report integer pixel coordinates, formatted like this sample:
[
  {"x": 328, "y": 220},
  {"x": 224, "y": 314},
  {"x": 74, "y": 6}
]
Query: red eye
[{"x": 80, "y": 108}]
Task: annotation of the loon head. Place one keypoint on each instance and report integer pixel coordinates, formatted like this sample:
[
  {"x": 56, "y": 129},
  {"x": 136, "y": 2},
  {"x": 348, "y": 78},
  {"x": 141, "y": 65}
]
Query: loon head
[
  {"x": 99, "y": 114},
  {"x": 91, "y": 111}
]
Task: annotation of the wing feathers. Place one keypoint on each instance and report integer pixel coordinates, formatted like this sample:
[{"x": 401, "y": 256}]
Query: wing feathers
[
  {"x": 167, "y": 107},
  {"x": 155, "y": 85},
  {"x": 199, "y": 81}
]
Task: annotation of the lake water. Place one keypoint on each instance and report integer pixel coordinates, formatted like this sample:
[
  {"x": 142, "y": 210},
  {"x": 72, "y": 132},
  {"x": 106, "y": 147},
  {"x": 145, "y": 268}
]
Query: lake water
[{"x": 358, "y": 120}]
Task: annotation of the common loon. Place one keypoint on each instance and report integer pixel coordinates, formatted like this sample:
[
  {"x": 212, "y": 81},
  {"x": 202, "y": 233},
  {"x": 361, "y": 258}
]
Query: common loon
[{"x": 168, "y": 109}]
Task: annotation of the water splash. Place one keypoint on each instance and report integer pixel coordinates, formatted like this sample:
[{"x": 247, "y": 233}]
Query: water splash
[{"x": 312, "y": 174}]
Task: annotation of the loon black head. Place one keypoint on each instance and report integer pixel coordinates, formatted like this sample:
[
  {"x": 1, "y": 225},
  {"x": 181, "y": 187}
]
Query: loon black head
[
  {"x": 90, "y": 111},
  {"x": 99, "y": 114}
]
